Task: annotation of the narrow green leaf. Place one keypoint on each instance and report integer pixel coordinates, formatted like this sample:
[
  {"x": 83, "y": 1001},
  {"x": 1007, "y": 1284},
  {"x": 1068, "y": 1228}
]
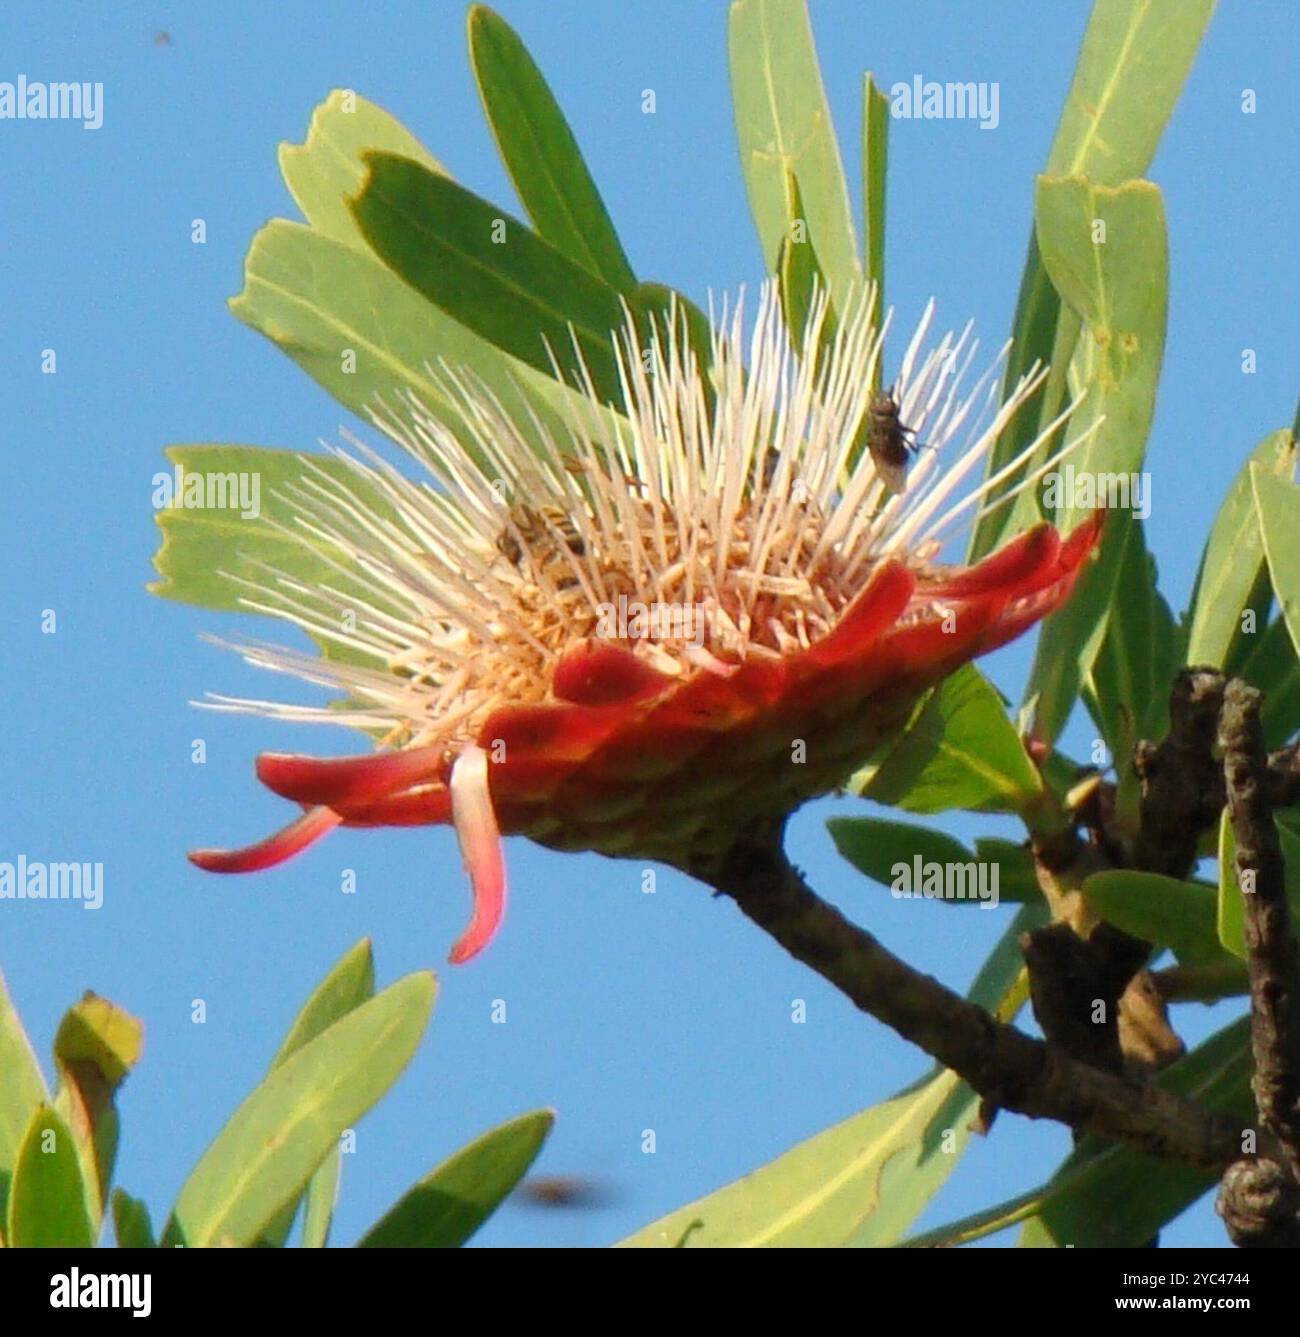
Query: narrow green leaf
[
  {"x": 875, "y": 163},
  {"x": 326, "y": 168},
  {"x": 1127, "y": 687},
  {"x": 1272, "y": 665},
  {"x": 1230, "y": 921},
  {"x": 448, "y": 1205},
  {"x": 1231, "y": 909},
  {"x": 489, "y": 271},
  {"x": 864, "y": 1181},
  {"x": 1233, "y": 557},
  {"x": 1135, "y": 57},
  {"x": 783, "y": 124},
  {"x": 960, "y": 751},
  {"x": 1162, "y": 910},
  {"x": 22, "y": 1089},
  {"x": 263, "y": 1157},
  {"x": 540, "y": 153},
  {"x": 322, "y": 1192},
  {"x": 1277, "y": 505},
  {"x": 1107, "y": 254},
  {"x": 1098, "y": 1207},
  {"x": 349, "y": 984},
  {"x": 131, "y": 1224},
  {"x": 800, "y": 278},
  {"x": 47, "y": 1199},
  {"x": 982, "y": 1223},
  {"x": 886, "y": 851}
]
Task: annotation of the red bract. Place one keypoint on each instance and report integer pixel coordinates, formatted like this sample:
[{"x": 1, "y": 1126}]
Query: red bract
[{"x": 633, "y": 762}]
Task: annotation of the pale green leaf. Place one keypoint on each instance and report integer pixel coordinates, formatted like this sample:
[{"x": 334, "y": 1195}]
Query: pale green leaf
[
  {"x": 1135, "y": 58},
  {"x": 261, "y": 1160},
  {"x": 370, "y": 340},
  {"x": 1115, "y": 282},
  {"x": 326, "y": 168},
  {"x": 783, "y": 125},
  {"x": 349, "y": 984}
]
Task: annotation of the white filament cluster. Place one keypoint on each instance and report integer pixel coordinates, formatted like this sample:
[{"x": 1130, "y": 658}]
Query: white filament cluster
[{"x": 453, "y": 588}]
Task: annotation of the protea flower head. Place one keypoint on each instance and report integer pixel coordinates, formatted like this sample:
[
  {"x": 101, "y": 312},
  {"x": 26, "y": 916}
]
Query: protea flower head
[{"x": 643, "y": 637}]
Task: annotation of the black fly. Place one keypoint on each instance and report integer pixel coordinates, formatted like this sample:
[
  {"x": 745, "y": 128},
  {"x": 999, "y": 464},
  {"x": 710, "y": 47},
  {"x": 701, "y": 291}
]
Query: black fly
[{"x": 890, "y": 441}]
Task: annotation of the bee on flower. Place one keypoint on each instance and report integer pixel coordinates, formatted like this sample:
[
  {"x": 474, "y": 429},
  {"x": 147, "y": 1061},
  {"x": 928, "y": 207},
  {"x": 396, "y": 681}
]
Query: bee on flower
[{"x": 479, "y": 658}]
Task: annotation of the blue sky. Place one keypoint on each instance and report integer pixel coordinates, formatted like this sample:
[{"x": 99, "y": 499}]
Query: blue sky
[{"x": 626, "y": 1011}]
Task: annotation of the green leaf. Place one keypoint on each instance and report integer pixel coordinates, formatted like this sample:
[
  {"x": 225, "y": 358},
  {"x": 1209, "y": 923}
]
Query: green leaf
[
  {"x": 1127, "y": 686},
  {"x": 349, "y": 984},
  {"x": 979, "y": 1224},
  {"x": 22, "y": 1089},
  {"x": 655, "y": 307},
  {"x": 864, "y": 1181},
  {"x": 1230, "y": 921},
  {"x": 1233, "y": 557},
  {"x": 1231, "y": 910},
  {"x": 880, "y": 849},
  {"x": 1135, "y": 57},
  {"x": 131, "y": 1224},
  {"x": 207, "y": 551},
  {"x": 489, "y": 271},
  {"x": 540, "y": 153},
  {"x": 47, "y": 1199},
  {"x": 1271, "y": 664},
  {"x": 96, "y": 1046},
  {"x": 263, "y": 1157},
  {"x": 1118, "y": 290},
  {"x": 875, "y": 163},
  {"x": 783, "y": 125},
  {"x": 960, "y": 751},
  {"x": 319, "y": 300},
  {"x": 449, "y": 1204},
  {"x": 1277, "y": 504},
  {"x": 1162, "y": 910},
  {"x": 800, "y": 280},
  {"x": 322, "y": 1192},
  {"x": 1091, "y": 1202},
  {"x": 324, "y": 170}
]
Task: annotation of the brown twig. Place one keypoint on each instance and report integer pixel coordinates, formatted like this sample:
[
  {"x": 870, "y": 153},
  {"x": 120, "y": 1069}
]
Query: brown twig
[
  {"x": 1273, "y": 956},
  {"x": 1182, "y": 783},
  {"x": 1005, "y": 1066}
]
